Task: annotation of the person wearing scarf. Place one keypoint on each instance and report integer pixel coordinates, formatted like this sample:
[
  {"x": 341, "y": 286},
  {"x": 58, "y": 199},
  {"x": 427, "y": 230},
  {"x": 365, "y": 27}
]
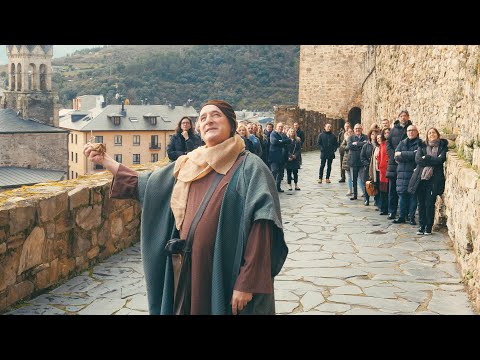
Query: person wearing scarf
[
  {"x": 430, "y": 156},
  {"x": 238, "y": 245}
]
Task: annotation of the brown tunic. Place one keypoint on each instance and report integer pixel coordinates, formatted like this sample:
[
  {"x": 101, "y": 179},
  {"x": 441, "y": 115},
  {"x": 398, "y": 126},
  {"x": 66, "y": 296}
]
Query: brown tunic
[{"x": 255, "y": 273}]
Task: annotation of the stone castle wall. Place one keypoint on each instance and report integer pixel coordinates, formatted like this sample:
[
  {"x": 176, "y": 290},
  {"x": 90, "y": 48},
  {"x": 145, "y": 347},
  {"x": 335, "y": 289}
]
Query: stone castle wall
[
  {"x": 39, "y": 150},
  {"x": 329, "y": 80},
  {"x": 311, "y": 122},
  {"x": 51, "y": 232}
]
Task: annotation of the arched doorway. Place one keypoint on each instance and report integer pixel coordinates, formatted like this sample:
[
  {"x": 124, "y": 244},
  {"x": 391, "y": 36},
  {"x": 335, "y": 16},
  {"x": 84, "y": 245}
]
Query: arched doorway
[{"x": 355, "y": 116}]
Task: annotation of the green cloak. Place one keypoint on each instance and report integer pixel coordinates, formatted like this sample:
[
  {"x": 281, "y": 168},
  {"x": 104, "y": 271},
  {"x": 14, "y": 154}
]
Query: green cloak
[{"x": 250, "y": 195}]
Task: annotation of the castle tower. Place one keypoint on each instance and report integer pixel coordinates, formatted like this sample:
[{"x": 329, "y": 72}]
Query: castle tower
[
  {"x": 30, "y": 83},
  {"x": 331, "y": 78}
]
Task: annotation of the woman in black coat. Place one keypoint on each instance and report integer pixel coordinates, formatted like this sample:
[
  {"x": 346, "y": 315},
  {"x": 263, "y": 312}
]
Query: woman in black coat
[
  {"x": 294, "y": 155},
  {"x": 184, "y": 140},
  {"x": 428, "y": 178}
]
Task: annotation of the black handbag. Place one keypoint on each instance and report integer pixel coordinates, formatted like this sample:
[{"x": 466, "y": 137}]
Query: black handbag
[{"x": 181, "y": 254}]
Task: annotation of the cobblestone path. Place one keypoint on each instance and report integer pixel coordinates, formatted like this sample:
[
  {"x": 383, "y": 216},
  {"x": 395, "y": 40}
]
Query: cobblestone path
[{"x": 344, "y": 258}]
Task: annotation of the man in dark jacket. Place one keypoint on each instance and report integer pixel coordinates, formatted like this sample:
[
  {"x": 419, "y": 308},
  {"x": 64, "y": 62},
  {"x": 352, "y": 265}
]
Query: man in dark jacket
[
  {"x": 341, "y": 150},
  {"x": 268, "y": 131},
  {"x": 354, "y": 146},
  {"x": 405, "y": 157},
  {"x": 328, "y": 144},
  {"x": 397, "y": 134},
  {"x": 278, "y": 154}
]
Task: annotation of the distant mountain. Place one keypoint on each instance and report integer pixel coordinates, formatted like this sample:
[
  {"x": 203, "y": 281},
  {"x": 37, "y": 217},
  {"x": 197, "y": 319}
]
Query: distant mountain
[{"x": 252, "y": 77}]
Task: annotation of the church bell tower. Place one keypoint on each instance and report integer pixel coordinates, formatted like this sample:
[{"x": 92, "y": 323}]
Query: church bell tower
[{"x": 30, "y": 83}]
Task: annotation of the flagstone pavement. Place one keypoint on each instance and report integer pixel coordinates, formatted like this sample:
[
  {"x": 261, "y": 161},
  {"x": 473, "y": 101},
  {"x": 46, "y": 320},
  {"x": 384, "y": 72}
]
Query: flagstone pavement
[{"x": 344, "y": 258}]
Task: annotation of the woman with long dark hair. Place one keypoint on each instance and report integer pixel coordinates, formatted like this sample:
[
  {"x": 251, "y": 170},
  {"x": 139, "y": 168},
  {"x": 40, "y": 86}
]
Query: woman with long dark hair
[{"x": 184, "y": 140}]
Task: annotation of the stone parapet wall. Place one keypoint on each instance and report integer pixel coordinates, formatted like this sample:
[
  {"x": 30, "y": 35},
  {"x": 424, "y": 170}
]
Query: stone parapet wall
[
  {"x": 50, "y": 232},
  {"x": 311, "y": 122},
  {"x": 460, "y": 207}
]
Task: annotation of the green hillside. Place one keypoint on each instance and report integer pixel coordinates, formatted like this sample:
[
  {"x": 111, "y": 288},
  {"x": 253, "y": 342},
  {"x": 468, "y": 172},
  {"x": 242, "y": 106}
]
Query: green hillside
[{"x": 248, "y": 76}]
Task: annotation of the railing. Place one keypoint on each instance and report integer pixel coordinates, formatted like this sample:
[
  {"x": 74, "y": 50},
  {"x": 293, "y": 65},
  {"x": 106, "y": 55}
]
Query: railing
[{"x": 154, "y": 146}]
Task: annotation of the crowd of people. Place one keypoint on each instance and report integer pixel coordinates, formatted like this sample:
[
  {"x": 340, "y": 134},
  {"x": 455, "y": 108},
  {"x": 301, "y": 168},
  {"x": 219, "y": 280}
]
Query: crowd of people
[
  {"x": 406, "y": 171},
  {"x": 386, "y": 156}
]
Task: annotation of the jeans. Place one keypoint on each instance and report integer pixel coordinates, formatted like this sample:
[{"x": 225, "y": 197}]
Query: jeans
[
  {"x": 408, "y": 205},
  {"x": 357, "y": 178},
  {"x": 322, "y": 166}
]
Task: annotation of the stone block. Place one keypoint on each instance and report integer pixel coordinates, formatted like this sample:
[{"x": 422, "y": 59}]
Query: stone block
[
  {"x": 53, "y": 271},
  {"x": 49, "y": 208},
  {"x": 19, "y": 292},
  {"x": 9, "y": 265},
  {"x": 3, "y": 248},
  {"x": 66, "y": 266},
  {"x": 93, "y": 252},
  {"x": 89, "y": 217},
  {"x": 128, "y": 214},
  {"x": 16, "y": 241},
  {"x": 21, "y": 218},
  {"x": 79, "y": 196},
  {"x": 3, "y": 217},
  {"x": 64, "y": 223},
  {"x": 42, "y": 279},
  {"x": 32, "y": 250}
]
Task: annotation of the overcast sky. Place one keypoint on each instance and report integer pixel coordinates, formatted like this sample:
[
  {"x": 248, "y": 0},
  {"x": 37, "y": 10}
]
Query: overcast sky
[{"x": 58, "y": 51}]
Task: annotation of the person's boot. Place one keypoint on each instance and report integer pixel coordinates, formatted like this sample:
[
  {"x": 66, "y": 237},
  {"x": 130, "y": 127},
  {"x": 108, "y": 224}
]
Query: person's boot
[
  {"x": 412, "y": 221},
  {"x": 391, "y": 217},
  {"x": 421, "y": 230},
  {"x": 367, "y": 202},
  {"x": 341, "y": 180},
  {"x": 354, "y": 197},
  {"x": 296, "y": 187},
  {"x": 328, "y": 181},
  {"x": 290, "y": 187},
  {"x": 400, "y": 220},
  {"x": 279, "y": 189},
  {"x": 428, "y": 230},
  {"x": 320, "y": 181}
]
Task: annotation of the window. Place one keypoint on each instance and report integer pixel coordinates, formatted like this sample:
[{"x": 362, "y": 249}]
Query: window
[
  {"x": 99, "y": 139},
  {"x": 118, "y": 157},
  {"x": 154, "y": 142},
  {"x": 153, "y": 120},
  {"x": 154, "y": 158},
  {"x": 98, "y": 167},
  {"x": 76, "y": 157},
  {"x": 76, "y": 139},
  {"x": 71, "y": 138},
  {"x": 72, "y": 155},
  {"x": 117, "y": 140},
  {"x": 136, "y": 158},
  {"x": 116, "y": 120},
  {"x": 136, "y": 140},
  {"x": 76, "y": 175},
  {"x": 72, "y": 175}
]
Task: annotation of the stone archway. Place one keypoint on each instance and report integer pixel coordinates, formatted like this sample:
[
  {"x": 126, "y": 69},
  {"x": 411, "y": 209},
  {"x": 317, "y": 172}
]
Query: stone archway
[{"x": 355, "y": 116}]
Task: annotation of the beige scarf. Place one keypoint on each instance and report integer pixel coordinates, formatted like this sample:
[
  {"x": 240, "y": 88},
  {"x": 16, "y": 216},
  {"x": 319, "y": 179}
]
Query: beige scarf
[{"x": 197, "y": 164}]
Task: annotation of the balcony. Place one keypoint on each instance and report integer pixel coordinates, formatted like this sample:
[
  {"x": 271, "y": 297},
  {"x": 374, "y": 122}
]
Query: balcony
[{"x": 154, "y": 146}]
